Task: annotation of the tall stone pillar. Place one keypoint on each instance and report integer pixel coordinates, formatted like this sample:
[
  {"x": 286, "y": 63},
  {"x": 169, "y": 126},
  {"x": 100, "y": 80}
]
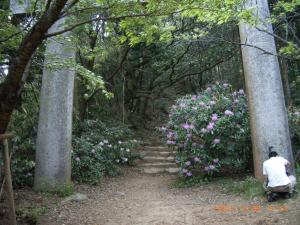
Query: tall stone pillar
[
  {"x": 19, "y": 7},
  {"x": 53, "y": 155},
  {"x": 268, "y": 116}
]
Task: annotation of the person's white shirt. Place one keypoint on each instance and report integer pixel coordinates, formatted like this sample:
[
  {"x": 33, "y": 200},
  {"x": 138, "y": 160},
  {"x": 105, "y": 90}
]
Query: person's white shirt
[{"x": 275, "y": 169}]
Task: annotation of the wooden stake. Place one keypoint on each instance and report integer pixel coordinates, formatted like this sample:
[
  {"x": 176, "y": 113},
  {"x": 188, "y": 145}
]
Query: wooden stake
[{"x": 7, "y": 173}]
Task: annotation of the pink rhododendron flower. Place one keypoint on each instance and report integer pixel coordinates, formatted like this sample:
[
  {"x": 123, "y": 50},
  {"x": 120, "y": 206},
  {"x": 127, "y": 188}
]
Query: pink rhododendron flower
[
  {"x": 203, "y": 130},
  {"x": 228, "y": 113},
  {"x": 241, "y": 92},
  {"x": 188, "y": 126},
  {"x": 211, "y": 167},
  {"x": 185, "y": 126},
  {"x": 188, "y": 163},
  {"x": 215, "y": 161},
  {"x": 216, "y": 141},
  {"x": 214, "y": 117},
  {"x": 170, "y": 134},
  {"x": 189, "y": 174},
  {"x": 210, "y": 126},
  {"x": 194, "y": 97},
  {"x": 212, "y": 102},
  {"x": 169, "y": 142},
  {"x": 77, "y": 159},
  {"x": 196, "y": 159},
  {"x": 201, "y": 103}
]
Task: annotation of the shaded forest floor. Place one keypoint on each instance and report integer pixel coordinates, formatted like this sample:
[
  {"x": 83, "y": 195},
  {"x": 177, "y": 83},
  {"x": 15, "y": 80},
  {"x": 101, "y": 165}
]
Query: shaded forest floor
[{"x": 140, "y": 199}]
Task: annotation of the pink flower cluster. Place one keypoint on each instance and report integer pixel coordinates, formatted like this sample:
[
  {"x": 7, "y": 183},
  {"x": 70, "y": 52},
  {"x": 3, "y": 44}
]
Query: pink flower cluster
[
  {"x": 187, "y": 126},
  {"x": 228, "y": 113},
  {"x": 210, "y": 126}
]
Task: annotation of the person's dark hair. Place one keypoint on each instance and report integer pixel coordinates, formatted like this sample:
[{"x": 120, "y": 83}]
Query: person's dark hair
[
  {"x": 273, "y": 154},
  {"x": 270, "y": 148}
]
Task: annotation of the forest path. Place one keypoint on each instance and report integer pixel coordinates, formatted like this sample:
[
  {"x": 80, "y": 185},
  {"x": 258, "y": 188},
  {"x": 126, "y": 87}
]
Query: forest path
[{"x": 141, "y": 199}]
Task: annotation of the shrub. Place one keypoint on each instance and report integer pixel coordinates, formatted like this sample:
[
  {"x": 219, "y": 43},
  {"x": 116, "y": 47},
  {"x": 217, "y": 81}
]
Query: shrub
[
  {"x": 97, "y": 153},
  {"x": 209, "y": 130},
  {"x": 90, "y": 162},
  {"x": 23, "y": 124},
  {"x": 294, "y": 123}
]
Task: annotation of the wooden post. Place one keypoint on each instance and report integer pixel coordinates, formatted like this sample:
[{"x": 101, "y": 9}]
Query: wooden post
[{"x": 8, "y": 180}]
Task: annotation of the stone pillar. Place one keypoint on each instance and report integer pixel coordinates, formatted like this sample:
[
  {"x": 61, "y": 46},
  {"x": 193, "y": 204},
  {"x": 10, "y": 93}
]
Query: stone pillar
[
  {"x": 19, "y": 6},
  {"x": 53, "y": 154},
  {"x": 268, "y": 116}
]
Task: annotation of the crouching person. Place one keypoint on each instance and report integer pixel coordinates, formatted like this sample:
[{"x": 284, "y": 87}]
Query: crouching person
[{"x": 277, "y": 182}]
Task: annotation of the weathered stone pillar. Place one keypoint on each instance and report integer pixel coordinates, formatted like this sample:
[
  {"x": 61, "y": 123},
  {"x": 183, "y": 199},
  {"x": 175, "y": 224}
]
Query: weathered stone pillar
[
  {"x": 268, "y": 116},
  {"x": 19, "y": 6},
  {"x": 53, "y": 155}
]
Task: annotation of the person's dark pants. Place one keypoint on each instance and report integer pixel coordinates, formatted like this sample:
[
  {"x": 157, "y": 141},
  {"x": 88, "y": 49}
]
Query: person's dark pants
[{"x": 281, "y": 189}]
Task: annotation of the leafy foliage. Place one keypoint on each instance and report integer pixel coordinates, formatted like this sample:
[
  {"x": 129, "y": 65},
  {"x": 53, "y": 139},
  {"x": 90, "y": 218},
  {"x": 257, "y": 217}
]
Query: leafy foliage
[{"x": 24, "y": 125}]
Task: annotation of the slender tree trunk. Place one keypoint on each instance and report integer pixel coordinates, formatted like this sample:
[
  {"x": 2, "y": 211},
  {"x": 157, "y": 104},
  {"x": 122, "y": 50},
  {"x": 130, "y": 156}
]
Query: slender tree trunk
[
  {"x": 53, "y": 155},
  {"x": 268, "y": 117}
]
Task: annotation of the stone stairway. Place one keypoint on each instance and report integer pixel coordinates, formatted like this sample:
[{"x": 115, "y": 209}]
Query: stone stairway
[{"x": 157, "y": 159}]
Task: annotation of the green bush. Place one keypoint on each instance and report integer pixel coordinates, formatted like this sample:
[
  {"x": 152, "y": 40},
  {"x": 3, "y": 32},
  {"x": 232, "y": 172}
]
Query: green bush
[
  {"x": 97, "y": 153},
  {"x": 209, "y": 130},
  {"x": 30, "y": 215},
  {"x": 23, "y": 124},
  {"x": 294, "y": 123}
]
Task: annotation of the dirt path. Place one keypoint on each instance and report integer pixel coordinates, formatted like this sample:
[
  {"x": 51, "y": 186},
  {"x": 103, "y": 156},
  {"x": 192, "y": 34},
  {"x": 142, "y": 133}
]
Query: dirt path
[{"x": 139, "y": 199}]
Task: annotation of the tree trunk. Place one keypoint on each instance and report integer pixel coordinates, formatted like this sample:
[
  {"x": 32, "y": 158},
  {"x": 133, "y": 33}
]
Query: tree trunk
[
  {"x": 53, "y": 155},
  {"x": 268, "y": 117}
]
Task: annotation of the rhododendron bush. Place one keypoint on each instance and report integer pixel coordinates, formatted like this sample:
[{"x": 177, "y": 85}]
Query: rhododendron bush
[{"x": 210, "y": 131}]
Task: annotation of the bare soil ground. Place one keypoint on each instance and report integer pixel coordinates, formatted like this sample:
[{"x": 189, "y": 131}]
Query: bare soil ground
[{"x": 139, "y": 199}]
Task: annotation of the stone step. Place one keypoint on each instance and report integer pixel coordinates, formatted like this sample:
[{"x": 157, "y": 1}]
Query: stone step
[
  {"x": 158, "y": 159},
  {"x": 157, "y": 153},
  {"x": 158, "y": 164},
  {"x": 155, "y": 170},
  {"x": 158, "y": 148}
]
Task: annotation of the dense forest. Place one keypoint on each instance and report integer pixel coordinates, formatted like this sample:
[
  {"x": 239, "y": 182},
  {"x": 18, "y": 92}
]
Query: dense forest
[{"x": 89, "y": 76}]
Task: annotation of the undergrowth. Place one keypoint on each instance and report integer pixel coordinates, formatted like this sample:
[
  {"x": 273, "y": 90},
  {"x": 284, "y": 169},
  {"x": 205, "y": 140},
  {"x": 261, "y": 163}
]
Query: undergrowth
[
  {"x": 247, "y": 187},
  {"x": 30, "y": 215}
]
